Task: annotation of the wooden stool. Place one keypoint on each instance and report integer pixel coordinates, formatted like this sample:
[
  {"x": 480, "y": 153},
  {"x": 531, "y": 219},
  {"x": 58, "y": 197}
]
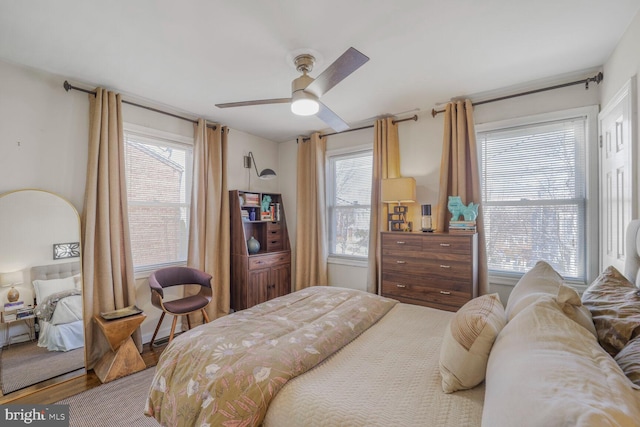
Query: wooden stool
[{"x": 124, "y": 358}]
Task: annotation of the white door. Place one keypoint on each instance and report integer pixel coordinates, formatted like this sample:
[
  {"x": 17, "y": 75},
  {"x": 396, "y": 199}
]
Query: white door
[{"x": 617, "y": 176}]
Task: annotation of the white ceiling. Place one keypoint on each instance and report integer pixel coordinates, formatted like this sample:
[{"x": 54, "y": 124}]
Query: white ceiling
[{"x": 192, "y": 54}]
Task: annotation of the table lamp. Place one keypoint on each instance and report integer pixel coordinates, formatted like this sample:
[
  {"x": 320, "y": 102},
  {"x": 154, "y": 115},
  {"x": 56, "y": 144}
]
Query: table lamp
[
  {"x": 398, "y": 190},
  {"x": 11, "y": 280}
]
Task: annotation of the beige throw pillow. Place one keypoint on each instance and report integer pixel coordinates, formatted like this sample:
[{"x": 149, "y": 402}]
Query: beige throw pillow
[
  {"x": 569, "y": 301},
  {"x": 541, "y": 280},
  {"x": 467, "y": 342}
]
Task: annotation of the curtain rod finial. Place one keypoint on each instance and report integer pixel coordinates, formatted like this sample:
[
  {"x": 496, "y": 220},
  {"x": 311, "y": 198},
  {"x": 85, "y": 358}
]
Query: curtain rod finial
[{"x": 66, "y": 86}]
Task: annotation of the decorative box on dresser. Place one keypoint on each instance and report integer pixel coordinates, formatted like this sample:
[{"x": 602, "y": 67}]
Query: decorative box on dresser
[
  {"x": 438, "y": 270},
  {"x": 256, "y": 278}
]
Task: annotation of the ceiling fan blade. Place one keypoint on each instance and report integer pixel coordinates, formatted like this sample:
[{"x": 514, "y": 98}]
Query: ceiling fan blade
[
  {"x": 331, "y": 118},
  {"x": 346, "y": 64},
  {"x": 256, "y": 102}
]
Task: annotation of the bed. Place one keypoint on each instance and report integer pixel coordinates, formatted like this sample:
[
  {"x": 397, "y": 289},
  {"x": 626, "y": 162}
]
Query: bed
[
  {"x": 542, "y": 359},
  {"x": 58, "y": 294}
]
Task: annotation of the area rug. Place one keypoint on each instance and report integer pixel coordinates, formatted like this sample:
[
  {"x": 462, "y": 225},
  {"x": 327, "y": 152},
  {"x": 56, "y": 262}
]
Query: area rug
[
  {"x": 25, "y": 364},
  {"x": 118, "y": 403}
]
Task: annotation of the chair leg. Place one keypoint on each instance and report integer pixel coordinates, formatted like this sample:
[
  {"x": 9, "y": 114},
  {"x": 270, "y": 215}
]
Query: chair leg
[
  {"x": 204, "y": 314},
  {"x": 153, "y": 338},
  {"x": 188, "y": 322},
  {"x": 173, "y": 327}
]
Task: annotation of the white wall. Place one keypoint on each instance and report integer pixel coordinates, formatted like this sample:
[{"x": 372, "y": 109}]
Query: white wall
[{"x": 43, "y": 144}]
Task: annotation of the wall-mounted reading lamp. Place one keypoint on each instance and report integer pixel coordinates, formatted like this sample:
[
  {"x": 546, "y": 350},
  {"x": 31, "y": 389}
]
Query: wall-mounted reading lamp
[{"x": 265, "y": 174}]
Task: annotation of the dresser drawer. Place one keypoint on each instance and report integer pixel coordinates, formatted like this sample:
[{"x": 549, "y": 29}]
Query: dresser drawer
[
  {"x": 445, "y": 244},
  {"x": 401, "y": 241},
  {"x": 464, "y": 285},
  {"x": 264, "y": 261},
  {"x": 274, "y": 239},
  {"x": 425, "y": 295}
]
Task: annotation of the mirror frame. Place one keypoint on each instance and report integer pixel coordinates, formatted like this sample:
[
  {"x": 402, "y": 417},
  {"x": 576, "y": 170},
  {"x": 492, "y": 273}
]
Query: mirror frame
[{"x": 18, "y": 394}]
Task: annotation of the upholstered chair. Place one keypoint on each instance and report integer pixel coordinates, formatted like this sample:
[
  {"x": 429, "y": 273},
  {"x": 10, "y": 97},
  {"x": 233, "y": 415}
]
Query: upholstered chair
[{"x": 174, "y": 276}]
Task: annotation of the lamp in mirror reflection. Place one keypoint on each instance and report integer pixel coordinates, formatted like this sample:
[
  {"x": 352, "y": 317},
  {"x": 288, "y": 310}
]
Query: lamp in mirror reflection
[
  {"x": 10, "y": 280},
  {"x": 265, "y": 174}
]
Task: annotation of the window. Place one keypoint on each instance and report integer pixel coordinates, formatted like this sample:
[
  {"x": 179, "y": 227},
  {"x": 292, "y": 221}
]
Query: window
[
  {"x": 534, "y": 183},
  {"x": 158, "y": 176},
  {"x": 349, "y": 202}
]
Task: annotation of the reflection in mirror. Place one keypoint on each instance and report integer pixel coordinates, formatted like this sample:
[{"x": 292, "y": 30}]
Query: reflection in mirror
[{"x": 41, "y": 332}]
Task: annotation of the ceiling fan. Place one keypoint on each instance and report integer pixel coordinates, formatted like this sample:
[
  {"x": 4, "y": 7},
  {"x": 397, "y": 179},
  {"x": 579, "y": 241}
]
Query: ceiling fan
[{"x": 306, "y": 91}]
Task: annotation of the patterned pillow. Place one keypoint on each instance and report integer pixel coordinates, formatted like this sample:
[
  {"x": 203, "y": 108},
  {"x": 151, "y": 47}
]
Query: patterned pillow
[
  {"x": 467, "y": 342},
  {"x": 629, "y": 360},
  {"x": 615, "y": 307}
]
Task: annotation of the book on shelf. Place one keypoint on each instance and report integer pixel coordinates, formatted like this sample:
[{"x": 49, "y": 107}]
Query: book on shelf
[
  {"x": 13, "y": 305},
  {"x": 251, "y": 199},
  {"x": 9, "y": 317},
  {"x": 462, "y": 223},
  {"x": 23, "y": 314}
]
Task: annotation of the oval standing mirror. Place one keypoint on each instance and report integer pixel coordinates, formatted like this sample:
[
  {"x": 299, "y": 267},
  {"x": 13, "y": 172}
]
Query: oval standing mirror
[{"x": 41, "y": 332}]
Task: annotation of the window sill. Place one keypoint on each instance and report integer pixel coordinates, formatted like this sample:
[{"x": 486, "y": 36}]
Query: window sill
[
  {"x": 145, "y": 272},
  {"x": 348, "y": 261},
  {"x": 512, "y": 280}
]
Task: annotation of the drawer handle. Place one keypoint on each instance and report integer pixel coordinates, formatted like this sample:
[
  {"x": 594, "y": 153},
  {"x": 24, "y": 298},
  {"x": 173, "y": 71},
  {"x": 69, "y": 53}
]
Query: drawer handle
[
  {"x": 399, "y": 285},
  {"x": 445, "y": 266},
  {"x": 259, "y": 262},
  {"x": 446, "y": 245},
  {"x": 400, "y": 243},
  {"x": 401, "y": 262},
  {"x": 274, "y": 242},
  {"x": 445, "y": 292}
]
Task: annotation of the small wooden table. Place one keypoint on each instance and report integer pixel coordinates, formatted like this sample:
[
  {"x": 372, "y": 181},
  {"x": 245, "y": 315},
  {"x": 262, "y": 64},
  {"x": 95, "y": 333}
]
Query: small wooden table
[{"x": 124, "y": 358}]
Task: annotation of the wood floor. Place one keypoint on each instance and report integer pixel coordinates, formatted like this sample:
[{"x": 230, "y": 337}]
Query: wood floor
[{"x": 70, "y": 384}]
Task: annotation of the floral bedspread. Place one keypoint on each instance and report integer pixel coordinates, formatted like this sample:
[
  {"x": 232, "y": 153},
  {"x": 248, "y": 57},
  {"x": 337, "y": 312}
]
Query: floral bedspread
[
  {"x": 226, "y": 372},
  {"x": 44, "y": 310}
]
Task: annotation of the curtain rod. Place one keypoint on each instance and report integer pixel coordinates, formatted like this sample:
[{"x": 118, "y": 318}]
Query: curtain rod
[
  {"x": 414, "y": 118},
  {"x": 597, "y": 78},
  {"x": 67, "y": 86}
]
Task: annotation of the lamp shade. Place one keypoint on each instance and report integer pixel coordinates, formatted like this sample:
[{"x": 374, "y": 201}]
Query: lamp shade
[
  {"x": 11, "y": 278},
  {"x": 399, "y": 190}
]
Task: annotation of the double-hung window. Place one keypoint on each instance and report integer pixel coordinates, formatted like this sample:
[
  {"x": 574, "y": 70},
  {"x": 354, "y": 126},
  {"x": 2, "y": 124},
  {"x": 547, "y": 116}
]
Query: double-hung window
[
  {"x": 534, "y": 175},
  {"x": 349, "y": 177},
  {"x": 158, "y": 175}
]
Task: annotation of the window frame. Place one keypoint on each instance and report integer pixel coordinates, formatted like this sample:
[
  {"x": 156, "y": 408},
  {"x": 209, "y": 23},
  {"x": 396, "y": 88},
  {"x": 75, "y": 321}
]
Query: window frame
[
  {"x": 591, "y": 171},
  {"x": 153, "y": 136},
  {"x": 332, "y": 258}
]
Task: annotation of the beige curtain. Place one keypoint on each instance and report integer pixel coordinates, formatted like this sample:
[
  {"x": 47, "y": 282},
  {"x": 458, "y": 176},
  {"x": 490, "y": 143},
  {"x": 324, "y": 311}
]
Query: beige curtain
[
  {"x": 386, "y": 164},
  {"x": 209, "y": 247},
  {"x": 460, "y": 176},
  {"x": 106, "y": 248},
  {"x": 311, "y": 236}
]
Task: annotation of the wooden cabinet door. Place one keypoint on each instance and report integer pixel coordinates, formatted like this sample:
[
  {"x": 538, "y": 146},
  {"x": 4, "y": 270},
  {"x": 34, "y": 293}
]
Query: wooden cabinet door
[
  {"x": 258, "y": 286},
  {"x": 280, "y": 281}
]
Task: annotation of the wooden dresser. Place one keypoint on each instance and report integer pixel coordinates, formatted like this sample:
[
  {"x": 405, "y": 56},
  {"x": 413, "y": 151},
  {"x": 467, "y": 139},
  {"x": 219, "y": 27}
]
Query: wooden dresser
[{"x": 437, "y": 270}]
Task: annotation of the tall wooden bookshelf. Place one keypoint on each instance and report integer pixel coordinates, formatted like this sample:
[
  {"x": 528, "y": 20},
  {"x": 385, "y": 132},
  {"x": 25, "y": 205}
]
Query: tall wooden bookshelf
[{"x": 256, "y": 278}]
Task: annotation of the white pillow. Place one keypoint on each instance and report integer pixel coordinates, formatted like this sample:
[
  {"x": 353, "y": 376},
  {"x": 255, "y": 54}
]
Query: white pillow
[
  {"x": 546, "y": 370},
  {"x": 44, "y": 288}
]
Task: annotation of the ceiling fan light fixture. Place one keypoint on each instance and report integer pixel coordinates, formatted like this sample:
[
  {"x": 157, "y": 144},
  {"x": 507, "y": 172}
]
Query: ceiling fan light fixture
[{"x": 304, "y": 104}]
